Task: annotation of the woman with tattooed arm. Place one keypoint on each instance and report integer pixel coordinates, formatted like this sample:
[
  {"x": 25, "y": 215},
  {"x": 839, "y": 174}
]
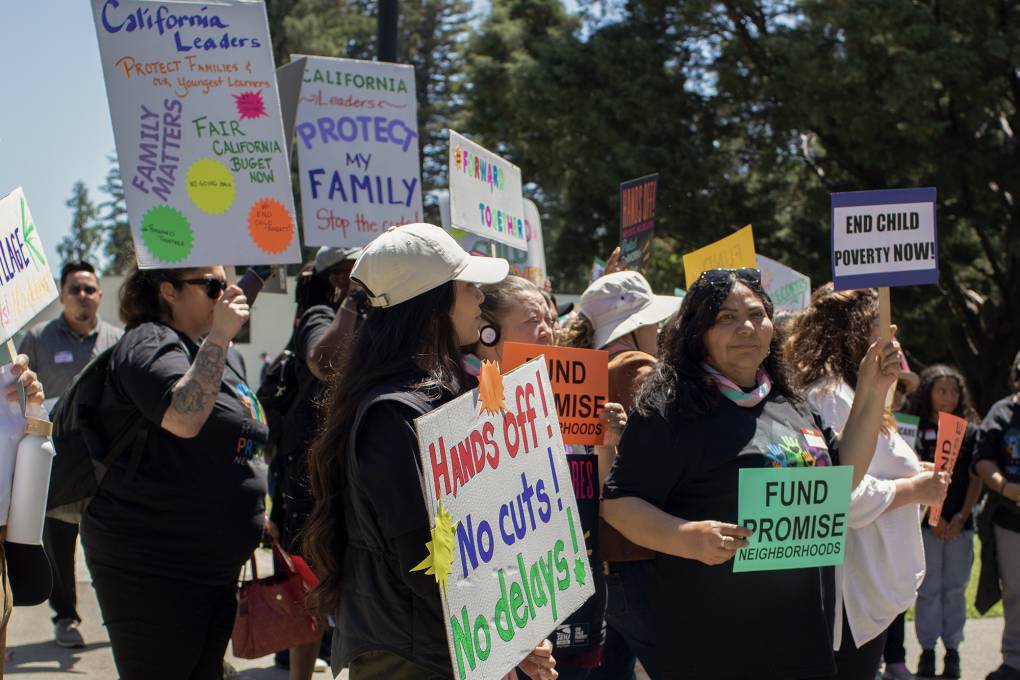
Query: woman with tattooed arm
[{"x": 181, "y": 509}]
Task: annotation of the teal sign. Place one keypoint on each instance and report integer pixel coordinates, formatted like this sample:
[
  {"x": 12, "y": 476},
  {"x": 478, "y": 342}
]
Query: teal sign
[{"x": 798, "y": 515}]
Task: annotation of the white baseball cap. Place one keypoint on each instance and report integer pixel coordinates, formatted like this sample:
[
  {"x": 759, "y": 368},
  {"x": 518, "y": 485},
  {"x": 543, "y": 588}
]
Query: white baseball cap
[
  {"x": 406, "y": 261},
  {"x": 622, "y": 302},
  {"x": 327, "y": 257}
]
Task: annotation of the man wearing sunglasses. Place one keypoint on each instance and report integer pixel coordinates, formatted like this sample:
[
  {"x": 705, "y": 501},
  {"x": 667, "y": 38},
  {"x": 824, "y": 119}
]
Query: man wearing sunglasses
[{"x": 58, "y": 350}]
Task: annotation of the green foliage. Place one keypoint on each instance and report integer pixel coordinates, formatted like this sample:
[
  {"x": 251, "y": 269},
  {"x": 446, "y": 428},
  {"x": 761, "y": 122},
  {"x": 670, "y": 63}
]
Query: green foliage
[
  {"x": 84, "y": 239},
  {"x": 119, "y": 248}
]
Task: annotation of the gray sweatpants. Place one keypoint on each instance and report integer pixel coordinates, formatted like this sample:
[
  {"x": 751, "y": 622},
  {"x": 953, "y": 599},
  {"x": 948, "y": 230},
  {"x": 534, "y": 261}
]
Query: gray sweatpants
[{"x": 1008, "y": 550}]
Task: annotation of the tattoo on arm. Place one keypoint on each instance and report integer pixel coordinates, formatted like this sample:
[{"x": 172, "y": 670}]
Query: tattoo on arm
[{"x": 196, "y": 391}]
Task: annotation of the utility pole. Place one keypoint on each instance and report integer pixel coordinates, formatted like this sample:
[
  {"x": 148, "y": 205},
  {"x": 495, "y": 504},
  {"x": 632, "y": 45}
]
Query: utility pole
[{"x": 387, "y": 30}]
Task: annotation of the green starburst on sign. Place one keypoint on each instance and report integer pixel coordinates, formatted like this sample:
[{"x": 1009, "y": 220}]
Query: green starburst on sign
[
  {"x": 580, "y": 573},
  {"x": 28, "y": 230}
]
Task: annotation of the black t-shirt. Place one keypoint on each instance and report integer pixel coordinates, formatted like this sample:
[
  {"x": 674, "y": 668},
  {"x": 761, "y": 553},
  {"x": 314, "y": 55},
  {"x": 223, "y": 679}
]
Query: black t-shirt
[
  {"x": 711, "y": 622},
  {"x": 193, "y": 508},
  {"x": 303, "y": 424},
  {"x": 927, "y": 438},
  {"x": 998, "y": 440}
]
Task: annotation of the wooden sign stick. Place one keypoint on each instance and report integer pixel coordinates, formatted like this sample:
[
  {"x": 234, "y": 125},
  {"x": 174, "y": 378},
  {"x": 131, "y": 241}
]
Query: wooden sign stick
[{"x": 884, "y": 321}]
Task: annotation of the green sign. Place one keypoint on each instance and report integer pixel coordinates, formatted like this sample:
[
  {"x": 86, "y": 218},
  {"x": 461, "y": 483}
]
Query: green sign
[
  {"x": 907, "y": 426},
  {"x": 798, "y": 516}
]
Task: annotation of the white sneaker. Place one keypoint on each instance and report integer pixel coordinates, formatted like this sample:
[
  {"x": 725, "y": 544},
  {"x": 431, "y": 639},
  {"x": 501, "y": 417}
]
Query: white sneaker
[{"x": 321, "y": 666}]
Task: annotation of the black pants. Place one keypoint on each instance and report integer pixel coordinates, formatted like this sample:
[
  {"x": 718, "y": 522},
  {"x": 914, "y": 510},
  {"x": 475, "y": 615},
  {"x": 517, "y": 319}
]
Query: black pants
[
  {"x": 895, "y": 651},
  {"x": 858, "y": 663},
  {"x": 165, "y": 629},
  {"x": 59, "y": 541}
]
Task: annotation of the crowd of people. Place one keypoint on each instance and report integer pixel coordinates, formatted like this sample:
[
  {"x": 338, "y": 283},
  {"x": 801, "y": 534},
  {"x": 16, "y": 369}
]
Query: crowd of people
[{"x": 700, "y": 387}]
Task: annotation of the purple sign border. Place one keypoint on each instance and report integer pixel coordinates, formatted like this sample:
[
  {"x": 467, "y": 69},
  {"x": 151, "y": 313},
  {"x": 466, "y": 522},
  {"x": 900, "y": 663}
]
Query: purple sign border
[{"x": 848, "y": 199}]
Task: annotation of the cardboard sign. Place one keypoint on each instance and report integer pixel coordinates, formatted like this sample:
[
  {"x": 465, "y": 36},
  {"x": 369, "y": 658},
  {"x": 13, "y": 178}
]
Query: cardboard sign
[
  {"x": 733, "y": 252},
  {"x": 580, "y": 383},
  {"x": 498, "y": 491},
  {"x": 26, "y": 283},
  {"x": 528, "y": 264},
  {"x": 485, "y": 194},
  {"x": 637, "y": 221},
  {"x": 798, "y": 516},
  {"x": 947, "y": 448},
  {"x": 789, "y": 289},
  {"x": 357, "y": 141},
  {"x": 884, "y": 238},
  {"x": 907, "y": 425},
  {"x": 598, "y": 268},
  {"x": 196, "y": 119}
]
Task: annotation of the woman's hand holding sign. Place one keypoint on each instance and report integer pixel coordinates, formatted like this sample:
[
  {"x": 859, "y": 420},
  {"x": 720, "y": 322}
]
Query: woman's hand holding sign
[
  {"x": 540, "y": 664},
  {"x": 880, "y": 367},
  {"x": 711, "y": 542}
]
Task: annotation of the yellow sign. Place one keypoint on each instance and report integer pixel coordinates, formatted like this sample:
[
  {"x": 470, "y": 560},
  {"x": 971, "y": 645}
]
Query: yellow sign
[{"x": 732, "y": 252}]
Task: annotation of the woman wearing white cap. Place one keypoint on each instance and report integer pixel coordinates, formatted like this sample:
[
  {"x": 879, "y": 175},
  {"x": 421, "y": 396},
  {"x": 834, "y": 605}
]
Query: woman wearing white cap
[
  {"x": 619, "y": 313},
  {"x": 370, "y": 524}
]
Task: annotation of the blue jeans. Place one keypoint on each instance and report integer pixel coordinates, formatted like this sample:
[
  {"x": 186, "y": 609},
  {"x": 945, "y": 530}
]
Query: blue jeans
[
  {"x": 941, "y": 601},
  {"x": 630, "y": 620}
]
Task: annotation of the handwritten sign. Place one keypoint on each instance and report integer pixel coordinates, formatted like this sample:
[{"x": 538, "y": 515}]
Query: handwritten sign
[
  {"x": 947, "y": 449},
  {"x": 637, "y": 220},
  {"x": 196, "y": 119},
  {"x": 789, "y": 289},
  {"x": 26, "y": 284},
  {"x": 501, "y": 482},
  {"x": 907, "y": 426},
  {"x": 884, "y": 238},
  {"x": 357, "y": 141},
  {"x": 485, "y": 194},
  {"x": 798, "y": 516},
  {"x": 732, "y": 252},
  {"x": 580, "y": 383},
  {"x": 528, "y": 264}
]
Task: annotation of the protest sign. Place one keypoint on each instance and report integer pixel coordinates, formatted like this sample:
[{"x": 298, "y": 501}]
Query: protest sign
[
  {"x": 580, "y": 384},
  {"x": 798, "y": 516},
  {"x": 357, "y": 141},
  {"x": 26, "y": 283},
  {"x": 884, "y": 238},
  {"x": 907, "y": 426},
  {"x": 507, "y": 544},
  {"x": 485, "y": 194},
  {"x": 637, "y": 221},
  {"x": 598, "y": 268},
  {"x": 196, "y": 119},
  {"x": 789, "y": 289},
  {"x": 731, "y": 252},
  {"x": 947, "y": 448},
  {"x": 528, "y": 264}
]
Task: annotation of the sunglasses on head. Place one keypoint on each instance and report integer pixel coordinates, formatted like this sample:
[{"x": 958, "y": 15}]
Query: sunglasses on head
[
  {"x": 213, "y": 287},
  {"x": 718, "y": 277},
  {"x": 77, "y": 289}
]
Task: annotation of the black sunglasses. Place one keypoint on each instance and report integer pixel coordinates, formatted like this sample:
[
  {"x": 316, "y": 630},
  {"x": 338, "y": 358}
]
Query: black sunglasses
[
  {"x": 77, "y": 290},
  {"x": 213, "y": 287},
  {"x": 718, "y": 277}
]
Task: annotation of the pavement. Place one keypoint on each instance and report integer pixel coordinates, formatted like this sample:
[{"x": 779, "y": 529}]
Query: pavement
[{"x": 31, "y": 652}]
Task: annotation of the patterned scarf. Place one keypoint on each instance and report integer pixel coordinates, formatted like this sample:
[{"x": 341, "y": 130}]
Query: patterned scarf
[{"x": 735, "y": 393}]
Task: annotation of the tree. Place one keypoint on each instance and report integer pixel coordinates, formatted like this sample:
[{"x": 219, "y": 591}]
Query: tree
[
  {"x": 86, "y": 236},
  {"x": 119, "y": 248}
]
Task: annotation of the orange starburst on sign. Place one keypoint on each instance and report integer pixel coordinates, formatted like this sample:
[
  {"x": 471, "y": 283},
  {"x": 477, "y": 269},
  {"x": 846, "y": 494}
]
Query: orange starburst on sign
[{"x": 490, "y": 388}]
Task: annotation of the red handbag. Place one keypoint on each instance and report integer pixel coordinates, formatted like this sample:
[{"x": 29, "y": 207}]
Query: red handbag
[{"x": 271, "y": 611}]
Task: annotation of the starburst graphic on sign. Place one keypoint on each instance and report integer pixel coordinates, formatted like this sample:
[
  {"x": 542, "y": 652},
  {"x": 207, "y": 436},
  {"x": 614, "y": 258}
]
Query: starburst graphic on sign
[
  {"x": 490, "y": 388},
  {"x": 250, "y": 105},
  {"x": 439, "y": 562},
  {"x": 28, "y": 232},
  {"x": 579, "y": 571}
]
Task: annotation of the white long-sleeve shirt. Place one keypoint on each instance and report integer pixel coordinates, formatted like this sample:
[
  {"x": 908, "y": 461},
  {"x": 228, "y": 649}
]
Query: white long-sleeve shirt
[{"x": 884, "y": 563}]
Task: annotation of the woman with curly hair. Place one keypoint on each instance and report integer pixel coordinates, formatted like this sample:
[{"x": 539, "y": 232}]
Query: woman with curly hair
[
  {"x": 718, "y": 401},
  {"x": 949, "y": 546},
  {"x": 884, "y": 556}
]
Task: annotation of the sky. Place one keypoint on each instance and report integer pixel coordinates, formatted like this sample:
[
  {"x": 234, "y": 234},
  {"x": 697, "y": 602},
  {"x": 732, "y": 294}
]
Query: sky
[{"x": 54, "y": 121}]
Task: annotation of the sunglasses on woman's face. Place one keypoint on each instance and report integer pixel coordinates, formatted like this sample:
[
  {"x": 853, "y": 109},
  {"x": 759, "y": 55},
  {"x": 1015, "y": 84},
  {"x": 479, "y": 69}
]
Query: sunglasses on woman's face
[
  {"x": 718, "y": 277},
  {"x": 213, "y": 287}
]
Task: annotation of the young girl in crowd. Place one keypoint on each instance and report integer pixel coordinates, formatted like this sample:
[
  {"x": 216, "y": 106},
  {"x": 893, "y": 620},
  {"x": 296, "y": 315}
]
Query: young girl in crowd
[
  {"x": 183, "y": 508},
  {"x": 620, "y": 314},
  {"x": 884, "y": 561},
  {"x": 948, "y": 547},
  {"x": 997, "y": 462},
  {"x": 370, "y": 525},
  {"x": 718, "y": 401}
]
